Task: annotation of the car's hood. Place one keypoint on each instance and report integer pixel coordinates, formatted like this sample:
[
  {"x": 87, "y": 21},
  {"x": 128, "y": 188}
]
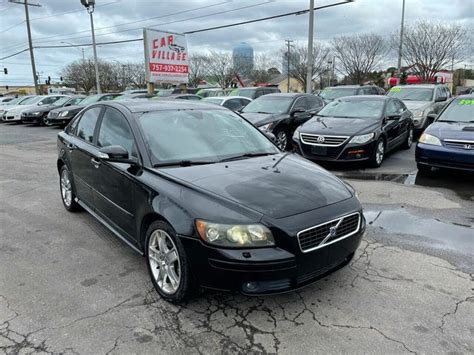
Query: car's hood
[
  {"x": 43, "y": 108},
  {"x": 417, "y": 105},
  {"x": 293, "y": 186},
  {"x": 339, "y": 126},
  {"x": 259, "y": 119},
  {"x": 69, "y": 108},
  {"x": 447, "y": 130},
  {"x": 11, "y": 107},
  {"x": 22, "y": 108}
]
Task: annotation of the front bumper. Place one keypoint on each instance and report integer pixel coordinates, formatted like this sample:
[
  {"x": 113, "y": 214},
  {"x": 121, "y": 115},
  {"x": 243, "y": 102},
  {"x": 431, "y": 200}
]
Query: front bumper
[
  {"x": 11, "y": 117},
  {"x": 443, "y": 157},
  {"x": 345, "y": 153},
  {"x": 58, "y": 120},
  {"x": 30, "y": 119},
  {"x": 267, "y": 270}
]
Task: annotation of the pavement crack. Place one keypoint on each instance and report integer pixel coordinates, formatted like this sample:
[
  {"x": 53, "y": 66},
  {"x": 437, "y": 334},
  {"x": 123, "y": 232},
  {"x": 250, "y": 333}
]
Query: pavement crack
[{"x": 453, "y": 312}]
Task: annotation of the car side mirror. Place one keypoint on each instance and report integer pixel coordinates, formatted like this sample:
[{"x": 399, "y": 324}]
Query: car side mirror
[
  {"x": 432, "y": 117},
  {"x": 67, "y": 105},
  {"x": 441, "y": 98},
  {"x": 297, "y": 112},
  {"x": 393, "y": 117},
  {"x": 270, "y": 136},
  {"x": 115, "y": 153},
  {"x": 315, "y": 111}
]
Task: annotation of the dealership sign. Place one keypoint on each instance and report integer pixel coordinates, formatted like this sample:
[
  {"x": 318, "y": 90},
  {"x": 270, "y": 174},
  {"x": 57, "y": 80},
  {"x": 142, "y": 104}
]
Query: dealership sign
[{"x": 166, "y": 57}]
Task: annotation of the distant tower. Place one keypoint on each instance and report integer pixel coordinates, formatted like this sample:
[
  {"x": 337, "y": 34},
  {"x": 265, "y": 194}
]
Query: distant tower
[{"x": 242, "y": 58}]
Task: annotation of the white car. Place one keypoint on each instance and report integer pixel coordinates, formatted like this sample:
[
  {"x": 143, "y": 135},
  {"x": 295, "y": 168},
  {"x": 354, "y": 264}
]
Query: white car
[
  {"x": 11, "y": 104},
  {"x": 12, "y": 114},
  {"x": 234, "y": 103},
  {"x": 5, "y": 99}
]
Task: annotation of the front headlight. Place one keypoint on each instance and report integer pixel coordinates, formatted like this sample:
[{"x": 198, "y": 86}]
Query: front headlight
[
  {"x": 34, "y": 113},
  {"x": 266, "y": 127},
  {"x": 64, "y": 113},
  {"x": 229, "y": 235},
  {"x": 362, "y": 139},
  {"x": 429, "y": 139},
  {"x": 296, "y": 135},
  {"x": 418, "y": 113}
]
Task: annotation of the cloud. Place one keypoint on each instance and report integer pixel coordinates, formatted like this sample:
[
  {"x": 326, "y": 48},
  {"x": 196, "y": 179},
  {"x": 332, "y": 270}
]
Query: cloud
[{"x": 59, "y": 20}]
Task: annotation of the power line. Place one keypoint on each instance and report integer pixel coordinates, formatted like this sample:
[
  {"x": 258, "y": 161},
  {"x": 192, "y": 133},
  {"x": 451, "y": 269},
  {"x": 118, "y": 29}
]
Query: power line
[{"x": 47, "y": 38}]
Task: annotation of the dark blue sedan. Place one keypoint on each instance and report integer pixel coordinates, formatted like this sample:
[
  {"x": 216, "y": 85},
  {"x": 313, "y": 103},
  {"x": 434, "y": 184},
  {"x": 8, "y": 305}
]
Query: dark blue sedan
[{"x": 449, "y": 141}]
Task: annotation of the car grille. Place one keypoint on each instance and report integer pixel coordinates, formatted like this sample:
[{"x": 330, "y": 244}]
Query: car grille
[
  {"x": 329, "y": 232},
  {"x": 52, "y": 114},
  {"x": 329, "y": 141},
  {"x": 454, "y": 143}
]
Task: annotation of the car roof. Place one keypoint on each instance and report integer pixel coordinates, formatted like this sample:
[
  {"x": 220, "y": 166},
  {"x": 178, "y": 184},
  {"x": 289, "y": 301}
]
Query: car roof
[
  {"x": 160, "y": 105},
  {"x": 287, "y": 94},
  {"x": 259, "y": 87},
  {"x": 427, "y": 86},
  {"x": 370, "y": 97},
  {"x": 348, "y": 86}
]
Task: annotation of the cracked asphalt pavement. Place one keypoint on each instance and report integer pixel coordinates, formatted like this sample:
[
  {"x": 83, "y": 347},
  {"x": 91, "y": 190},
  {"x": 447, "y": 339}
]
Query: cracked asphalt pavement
[{"x": 67, "y": 285}]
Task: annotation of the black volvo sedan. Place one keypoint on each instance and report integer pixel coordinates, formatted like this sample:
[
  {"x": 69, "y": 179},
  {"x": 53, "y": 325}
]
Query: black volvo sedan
[
  {"x": 206, "y": 197},
  {"x": 356, "y": 129}
]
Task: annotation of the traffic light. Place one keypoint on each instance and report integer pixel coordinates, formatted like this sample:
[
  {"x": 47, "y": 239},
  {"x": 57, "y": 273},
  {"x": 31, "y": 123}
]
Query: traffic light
[
  {"x": 5, "y": 71},
  {"x": 6, "y": 87},
  {"x": 60, "y": 78}
]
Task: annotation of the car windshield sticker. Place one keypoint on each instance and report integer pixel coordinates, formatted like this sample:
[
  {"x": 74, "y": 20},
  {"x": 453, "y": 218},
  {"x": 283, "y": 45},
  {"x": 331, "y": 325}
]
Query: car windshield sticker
[
  {"x": 395, "y": 89},
  {"x": 466, "y": 102}
]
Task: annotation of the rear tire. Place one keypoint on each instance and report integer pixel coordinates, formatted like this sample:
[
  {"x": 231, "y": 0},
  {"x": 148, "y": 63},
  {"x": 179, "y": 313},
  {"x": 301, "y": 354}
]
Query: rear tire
[
  {"x": 167, "y": 263},
  {"x": 66, "y": 189}
]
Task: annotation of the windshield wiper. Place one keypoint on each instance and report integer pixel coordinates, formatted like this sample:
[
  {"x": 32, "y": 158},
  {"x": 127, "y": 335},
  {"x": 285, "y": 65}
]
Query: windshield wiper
[
  {"x": 263, "y": 112},
  {"x": 246, "y": 155},
  {"x": 449, "y": 121},
  {"x": 184, "y": 163}
]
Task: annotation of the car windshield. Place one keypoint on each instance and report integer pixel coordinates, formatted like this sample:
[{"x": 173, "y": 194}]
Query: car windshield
[
  {"x": 411, "y": 93},
  {"x": 61, "y": 101},
  {"x": 32, "y": 100},
  {"x": 76, "y": 101},
  {"x": 15, "y": 101},
  {"x": 336, "y": 93},
  {"x": 201, "y": 136},
  {"x": 166, "y": 92},
  {"x": 244, "y": 92},
  {"x": 460, "y": 110},
  {"x": 90, "y": 99},
  {"x": 269, "y": 104},
  {"x": 213, "y": 100},
  {"x": 353, "y": 108}
]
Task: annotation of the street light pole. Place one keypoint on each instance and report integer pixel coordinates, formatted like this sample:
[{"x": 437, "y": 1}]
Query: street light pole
[
  {"x": 89, "y": 4},
  {"x": 288, "y": 43},
  {"x": 400, "y": 47},
  {"x": 73, "y": 45},
  {"x": 309, "y": 64}
]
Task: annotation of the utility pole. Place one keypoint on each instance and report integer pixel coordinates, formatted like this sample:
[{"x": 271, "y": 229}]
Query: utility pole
[
  {"x": 401, "y": 41},
  {"x": 89, "y": 5},
  {"x": 30, "y": 42},
  {"x": 73, "y": 45},
  {"x": 288, "y": 55},
  {"x": 309, "y": 64}
]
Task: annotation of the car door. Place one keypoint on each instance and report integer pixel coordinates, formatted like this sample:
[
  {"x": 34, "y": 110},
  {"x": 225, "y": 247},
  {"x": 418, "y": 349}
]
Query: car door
[
  {"x": 405, "y": 121},
  {"x": 440, "y": 94},
  {"x": 115, "y": 184},
  {"x": 391, "y": 123},
  {"x": 80, "y": 151},
  {"x": 298, "y": 118}
]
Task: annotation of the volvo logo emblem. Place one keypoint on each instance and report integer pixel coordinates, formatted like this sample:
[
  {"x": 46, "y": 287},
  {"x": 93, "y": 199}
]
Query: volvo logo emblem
[
  {"x": 332, "y": 232},
  {"x": 467, "y": 146},
  {"x": 320, "y": 139}
]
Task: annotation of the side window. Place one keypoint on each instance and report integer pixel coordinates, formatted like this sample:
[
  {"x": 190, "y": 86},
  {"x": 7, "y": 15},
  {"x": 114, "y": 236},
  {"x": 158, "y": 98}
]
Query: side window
[
  {"x": 233, "y": 104},
  {"x": 314, "y": 102},
  {"x": 86, "y": 125},
  {"x": 400, "y": 106},
  {"x": 49, "y": 100},
  {"x": 300, "y": 104},
  {"x": 114, "y": 130},
  {"x": 244, "y": 102},
  {"x": 367, "y": 91},
  {"x": 71, "y": 128},
  {"x": 258, "y": 93},
  {"x": 392, "y": 108},
  {"x": 107, "y": 98}
]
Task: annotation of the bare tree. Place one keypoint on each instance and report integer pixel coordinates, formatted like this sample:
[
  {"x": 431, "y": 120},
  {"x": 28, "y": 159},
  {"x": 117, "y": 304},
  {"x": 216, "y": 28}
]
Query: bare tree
[
  {"x": 198, "y": 64},
  {"x": 298, "y": 62},
  {"x": 80, "y": 75},
  {"x": 219, "y": 68},
  {"x": 429, "y": 47},
  {"x": 260, "y": 73},
  {"x": 358, "y": 55}
]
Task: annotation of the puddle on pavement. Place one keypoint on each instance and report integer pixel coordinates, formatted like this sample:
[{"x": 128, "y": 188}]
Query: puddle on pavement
[
  {"x": 462, "y": 183},
  {"x": 442, "y": 235}
]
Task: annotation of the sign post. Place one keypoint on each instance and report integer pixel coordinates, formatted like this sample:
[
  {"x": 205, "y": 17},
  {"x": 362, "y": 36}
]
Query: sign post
[{"x": 166, "y": 57}]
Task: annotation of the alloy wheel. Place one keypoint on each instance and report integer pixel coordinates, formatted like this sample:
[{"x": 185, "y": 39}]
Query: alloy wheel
[
  {"x": 66, "y": 190},
  {"x": 410, "y": 138},
  {"x": 281, "y": 140},
  {"x": 164, "y": 261},
  {"x": 379, "y": 154}
]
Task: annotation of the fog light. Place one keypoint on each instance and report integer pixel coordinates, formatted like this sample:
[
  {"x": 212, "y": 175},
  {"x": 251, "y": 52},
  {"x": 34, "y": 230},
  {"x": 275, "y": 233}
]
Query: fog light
[{"x": 250, "y": 286}]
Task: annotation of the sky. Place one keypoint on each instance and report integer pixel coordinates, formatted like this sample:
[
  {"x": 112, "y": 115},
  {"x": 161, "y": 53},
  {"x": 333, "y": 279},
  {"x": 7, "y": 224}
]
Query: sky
[{"x": 59, "y": 21}]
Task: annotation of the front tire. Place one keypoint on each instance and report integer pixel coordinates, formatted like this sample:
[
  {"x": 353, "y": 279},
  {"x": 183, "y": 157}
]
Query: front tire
[
  {"x": 378, "y": 154},
  {"x": 281, "y": 139},
  {"x": 65, "y": 187},
  {"x": 409, "y": 140},
  {"x": 167, "y": 263}
]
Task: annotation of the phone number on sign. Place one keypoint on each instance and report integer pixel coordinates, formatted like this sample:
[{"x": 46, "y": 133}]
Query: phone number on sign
[{"x": 168, "y": 68}]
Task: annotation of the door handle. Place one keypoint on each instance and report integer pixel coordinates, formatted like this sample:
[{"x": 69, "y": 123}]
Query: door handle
[
  {"x": 70, "y": 146},
  {"x": 96, "y": 163}
]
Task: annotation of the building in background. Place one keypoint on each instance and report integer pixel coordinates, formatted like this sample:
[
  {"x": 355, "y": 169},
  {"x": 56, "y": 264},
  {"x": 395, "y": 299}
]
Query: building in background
[{"x": 242, "y": 58}]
